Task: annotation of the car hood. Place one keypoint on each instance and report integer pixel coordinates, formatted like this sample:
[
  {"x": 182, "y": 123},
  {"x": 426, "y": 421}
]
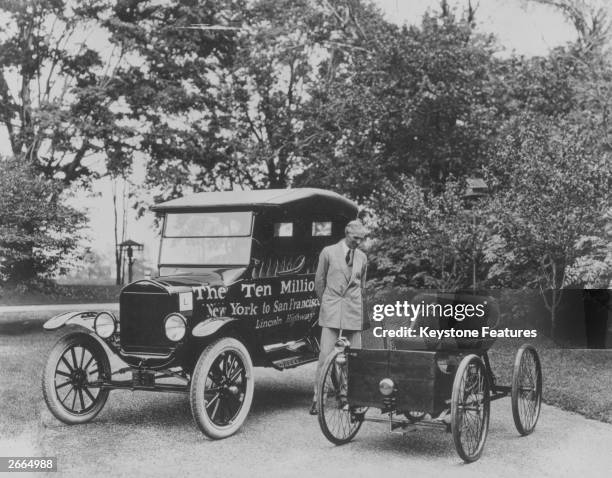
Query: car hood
[{"x": 186, "y": 281}]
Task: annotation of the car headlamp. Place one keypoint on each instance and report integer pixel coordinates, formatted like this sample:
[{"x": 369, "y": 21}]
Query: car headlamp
[
  {"x": 105, "y": 324},
  {"x": 175, "y": 327},
  {"x": 386, "y": 386}
]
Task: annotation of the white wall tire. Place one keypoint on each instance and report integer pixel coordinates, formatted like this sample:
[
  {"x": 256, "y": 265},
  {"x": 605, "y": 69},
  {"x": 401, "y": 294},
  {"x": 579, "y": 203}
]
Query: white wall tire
[
  {"x": 75, "y": 361},
  {"x": 222, "y": 388}
]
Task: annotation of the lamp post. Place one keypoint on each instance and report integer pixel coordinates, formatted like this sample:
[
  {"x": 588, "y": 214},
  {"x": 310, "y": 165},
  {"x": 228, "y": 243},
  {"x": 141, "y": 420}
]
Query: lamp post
[
  {"x": 130, "y": 246},
  {"x": 475, "y": 189}
]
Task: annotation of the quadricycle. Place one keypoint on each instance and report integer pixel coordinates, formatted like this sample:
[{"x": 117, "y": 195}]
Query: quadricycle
[{"x": 442, "y": 383}]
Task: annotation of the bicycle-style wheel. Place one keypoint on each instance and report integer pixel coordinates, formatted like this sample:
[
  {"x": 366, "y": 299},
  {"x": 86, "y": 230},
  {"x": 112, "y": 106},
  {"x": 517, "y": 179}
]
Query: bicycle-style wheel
[
  {"x": 526, "y": 395},
  {"x": 470, "y": 408},
  {"x": 338, "y": 423}
]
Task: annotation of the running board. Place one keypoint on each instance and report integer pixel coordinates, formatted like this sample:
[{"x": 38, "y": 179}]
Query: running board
[{"x": 292, "y": 362}]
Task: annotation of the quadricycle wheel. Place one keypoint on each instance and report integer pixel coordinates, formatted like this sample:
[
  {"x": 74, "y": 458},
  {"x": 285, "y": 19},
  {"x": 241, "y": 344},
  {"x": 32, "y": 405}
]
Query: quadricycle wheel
[
  {"x": 338, "y": 422},
  {"x": 526, "y": 394},
  {"x": 470, "y": 408}
]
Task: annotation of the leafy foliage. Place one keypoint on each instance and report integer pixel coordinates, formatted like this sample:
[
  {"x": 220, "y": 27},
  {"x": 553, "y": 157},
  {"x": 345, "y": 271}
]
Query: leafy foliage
[
  {"x": 413, "y": 100},
  {"x": 278, "y": 93},
  {"x": 425, "y": 240},
  {"x": 592, "y": 267},
  {"x": 225, "y": 105},
  {"x": 169, "y": 82},
  {"x": 545, "y": 206},
  {"x": 265, "y": 92},
  {"x": 551, "y": 187},
  {"x": 37, "y": 232},
  {"x": 55, "y": 101}
]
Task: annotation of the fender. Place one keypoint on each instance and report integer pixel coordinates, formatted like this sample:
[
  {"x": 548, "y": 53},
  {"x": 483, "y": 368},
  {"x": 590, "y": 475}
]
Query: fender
[
  {"x": 210, "y": 326},
  {"x": 84, "y": 319}
]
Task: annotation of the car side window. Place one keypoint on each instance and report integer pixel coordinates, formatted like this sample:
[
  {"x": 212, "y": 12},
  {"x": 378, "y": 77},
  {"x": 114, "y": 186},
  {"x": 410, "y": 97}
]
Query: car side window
[
  {"x": 283, "y": 229},
  {"x": 321, "y": 228}
]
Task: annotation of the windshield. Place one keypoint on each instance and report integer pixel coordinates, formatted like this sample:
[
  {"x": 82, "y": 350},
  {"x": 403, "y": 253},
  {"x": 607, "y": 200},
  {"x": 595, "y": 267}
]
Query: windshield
[
  {"x": 208, "y": 224},
  {"x": 215, "y": 238}
]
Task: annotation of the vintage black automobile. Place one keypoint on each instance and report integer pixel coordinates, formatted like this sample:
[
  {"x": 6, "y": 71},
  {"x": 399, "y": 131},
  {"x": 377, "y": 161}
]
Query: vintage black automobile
[
  {"x": 441, "y": 382},
  {"x": 235, "y": 290}
]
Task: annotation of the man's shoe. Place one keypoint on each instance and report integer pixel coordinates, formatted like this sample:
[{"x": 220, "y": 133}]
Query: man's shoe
[{"x": 314, "y": 410}]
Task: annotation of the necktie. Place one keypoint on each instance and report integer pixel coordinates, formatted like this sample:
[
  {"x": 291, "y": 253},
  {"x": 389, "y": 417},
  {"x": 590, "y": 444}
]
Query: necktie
[{"x": 349, "y": 257}]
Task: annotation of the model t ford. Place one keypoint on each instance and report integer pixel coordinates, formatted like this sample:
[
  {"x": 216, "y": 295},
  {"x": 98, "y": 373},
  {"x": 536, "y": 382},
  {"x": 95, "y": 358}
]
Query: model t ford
[{"x": 235, "y": 290}]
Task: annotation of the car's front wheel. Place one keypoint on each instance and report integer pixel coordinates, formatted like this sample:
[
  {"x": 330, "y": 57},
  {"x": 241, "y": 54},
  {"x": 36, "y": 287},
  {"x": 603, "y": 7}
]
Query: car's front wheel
[
  {"x": 71, "y": 379},
  {"x": 222, "y": 388}
]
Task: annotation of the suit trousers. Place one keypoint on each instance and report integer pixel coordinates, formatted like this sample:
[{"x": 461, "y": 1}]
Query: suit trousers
[{"x": 328, "y": 340}]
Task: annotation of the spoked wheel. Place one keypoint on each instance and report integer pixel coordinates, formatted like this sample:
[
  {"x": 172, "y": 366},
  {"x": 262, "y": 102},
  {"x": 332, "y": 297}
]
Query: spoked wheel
[
  {"x": 526, "y": 389},
  {"x": 338, "y": 422},
  {"x": 470, "y": 407},
  {"x": 70, "y": 382},
  {"x": 222, "y": 388}
]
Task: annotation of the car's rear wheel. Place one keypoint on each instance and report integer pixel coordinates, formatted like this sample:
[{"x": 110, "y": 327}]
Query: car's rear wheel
[
  {"x": 70, "y": 382},
  {"x": 222, "y": 388}
]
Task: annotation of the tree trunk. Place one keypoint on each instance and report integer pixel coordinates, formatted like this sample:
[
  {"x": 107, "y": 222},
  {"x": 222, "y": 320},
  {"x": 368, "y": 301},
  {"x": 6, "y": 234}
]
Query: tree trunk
[
  {"x": 118, "y": 261},
  {"x": 553, "y": 314},
  {"x": 119, "y": 234}
]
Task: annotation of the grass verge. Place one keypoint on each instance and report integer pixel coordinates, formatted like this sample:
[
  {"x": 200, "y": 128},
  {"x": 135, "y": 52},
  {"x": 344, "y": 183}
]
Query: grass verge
[
  {"x": 578, "y": 380},
  {"x": 61, "y": 294}
]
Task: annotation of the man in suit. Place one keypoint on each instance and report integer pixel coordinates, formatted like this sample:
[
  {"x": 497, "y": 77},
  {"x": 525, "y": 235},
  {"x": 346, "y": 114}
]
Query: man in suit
[{"x": 339, "y": 282}]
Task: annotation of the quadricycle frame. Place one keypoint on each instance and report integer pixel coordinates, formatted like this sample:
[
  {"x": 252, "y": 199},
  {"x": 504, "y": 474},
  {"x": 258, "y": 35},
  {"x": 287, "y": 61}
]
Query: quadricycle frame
[{"x": 445, "y": 385}]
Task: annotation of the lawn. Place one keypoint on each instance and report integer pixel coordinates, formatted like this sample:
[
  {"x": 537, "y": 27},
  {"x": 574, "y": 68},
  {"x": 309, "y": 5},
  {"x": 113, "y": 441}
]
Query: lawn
[
  {"x": 61, "y": 294},
  {"x": 577, "y": 380},
  {"x": 22, "y": 353}
]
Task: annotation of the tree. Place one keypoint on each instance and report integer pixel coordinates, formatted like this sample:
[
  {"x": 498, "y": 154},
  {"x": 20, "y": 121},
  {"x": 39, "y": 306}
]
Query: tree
[
  {"x": 170, "y": 86},
  {"x": 224, "y": 104},
  {"x": 412, "y": 100},
  {"x": 552, "y": 184},
  {"x": 120, "y": 188},
  {"x": 37, "y": 232},
  {"x": 592, "y": 268},
  {"x": 425, "y": 240},
  {"x": 56, "y": 103},
  {"x": 590, "y": 18},
  {"x": 265, "y": 93}
]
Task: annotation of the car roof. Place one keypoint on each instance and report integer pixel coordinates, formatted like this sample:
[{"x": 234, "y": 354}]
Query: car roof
[{"x": 260, "y": 198}]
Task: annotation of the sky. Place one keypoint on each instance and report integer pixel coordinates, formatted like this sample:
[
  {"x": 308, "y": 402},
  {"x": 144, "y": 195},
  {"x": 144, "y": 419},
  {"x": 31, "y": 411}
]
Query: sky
[{"x": 521, "y": 27}]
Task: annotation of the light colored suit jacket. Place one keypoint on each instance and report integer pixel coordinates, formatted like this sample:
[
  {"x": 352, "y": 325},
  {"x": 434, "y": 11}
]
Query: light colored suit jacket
[{"x": 340, "y": 288}]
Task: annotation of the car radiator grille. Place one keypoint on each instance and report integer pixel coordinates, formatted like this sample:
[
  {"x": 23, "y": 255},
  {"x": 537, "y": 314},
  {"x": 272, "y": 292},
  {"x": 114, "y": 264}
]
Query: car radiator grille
[{"x": 142, "y": 321}]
